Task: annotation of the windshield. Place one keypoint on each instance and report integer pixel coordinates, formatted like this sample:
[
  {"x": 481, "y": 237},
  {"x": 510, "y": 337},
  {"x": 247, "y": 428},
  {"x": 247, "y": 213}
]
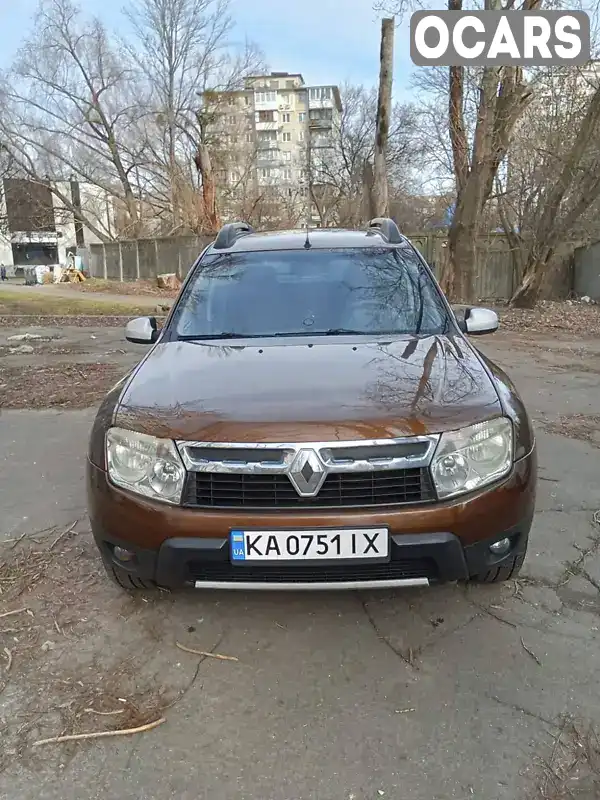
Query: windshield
[{"x": 310, "y": 292}]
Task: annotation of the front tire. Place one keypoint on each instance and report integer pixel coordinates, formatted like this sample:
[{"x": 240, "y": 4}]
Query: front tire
[
  {"x": 126, "y": 580},
  {"x": 507, "y": 570}
]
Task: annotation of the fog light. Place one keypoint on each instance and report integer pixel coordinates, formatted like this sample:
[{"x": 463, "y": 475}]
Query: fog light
[
  {"x": 123, "y": 555},
  {"x": 501, "y": 547}
]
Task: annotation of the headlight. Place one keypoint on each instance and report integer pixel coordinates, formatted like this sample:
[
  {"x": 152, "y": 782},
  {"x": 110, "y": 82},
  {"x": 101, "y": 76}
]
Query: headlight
[
  {"x": 472, "y": 457},
  {"x": 144, "y": 464}
]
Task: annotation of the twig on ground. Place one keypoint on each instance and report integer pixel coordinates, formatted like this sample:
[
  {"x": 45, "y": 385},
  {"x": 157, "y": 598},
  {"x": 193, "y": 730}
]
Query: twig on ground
[
  {"x": 205, "y": 653},
  {"x": 64, "y": 533},
  {"x": 9, "y": 658},
  {"x": 72, "y": 737},
  {"x": 531, "y": 653},
  {"x": 10, "y": 613},
  {"x": 16, "y": 541},
  {"x": 496, "y": 616},
  {"x": 104, "y": 713}
]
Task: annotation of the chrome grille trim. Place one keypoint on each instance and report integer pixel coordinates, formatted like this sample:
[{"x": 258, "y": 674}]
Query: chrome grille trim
[{"x": 423, "y": 448}]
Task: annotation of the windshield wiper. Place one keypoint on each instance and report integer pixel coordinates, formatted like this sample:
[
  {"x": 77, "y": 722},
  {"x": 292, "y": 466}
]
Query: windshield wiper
[
  {"x": 352, "y": 332},
  {"x": 194, "y": 337},
  {"x": 329, "y": 332}
]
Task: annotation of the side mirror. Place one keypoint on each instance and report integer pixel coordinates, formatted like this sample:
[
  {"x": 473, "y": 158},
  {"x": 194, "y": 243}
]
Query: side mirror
[
  {"x": 479, "y": 321},
  {"x": 141, "y": 330}
]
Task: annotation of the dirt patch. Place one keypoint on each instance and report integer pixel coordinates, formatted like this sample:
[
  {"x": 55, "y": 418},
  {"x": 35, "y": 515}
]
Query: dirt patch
[
  {"x": 57, "y": 674},
  {"x": 42, "y": 349},
  {"x": 57, "y": 386},
  {"x": 68, "y": 320},
  {"x": 144, "y": 288},
  {"x": 573, "y": 768},
  {"x": 585, "y": 427},
  {"x": 570, "y": 316}
]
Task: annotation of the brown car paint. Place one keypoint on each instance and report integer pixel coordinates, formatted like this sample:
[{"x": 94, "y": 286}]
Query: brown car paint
[
  {"x": 341, "y": 389},
  {"x": 148, "y": 524}
]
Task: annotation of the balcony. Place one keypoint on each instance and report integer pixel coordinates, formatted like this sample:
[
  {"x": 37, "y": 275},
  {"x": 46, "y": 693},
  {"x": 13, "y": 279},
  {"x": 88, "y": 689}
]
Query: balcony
[
  {"x": 320, "y": 124},
  {"x": 266, "y": 144}
]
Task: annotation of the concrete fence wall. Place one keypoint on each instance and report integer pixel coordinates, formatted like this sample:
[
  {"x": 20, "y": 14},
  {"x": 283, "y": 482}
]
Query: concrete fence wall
[
  {"x": 587, "y": 271},
  {"x": 146, "y": 258}
]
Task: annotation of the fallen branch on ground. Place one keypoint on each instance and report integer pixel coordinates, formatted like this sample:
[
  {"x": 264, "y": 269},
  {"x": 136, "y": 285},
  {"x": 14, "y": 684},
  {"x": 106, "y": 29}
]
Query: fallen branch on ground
[
  {"x": 104, "y": 713},
  {"x": 9, "y": 659},
  {"x": 10, "y": 613},
  {"x": 531, "y": 653},
  {"x": 72, "y": 737},
  {"x": 205, "y": 653},
  {"x": 64, "y": 533}
]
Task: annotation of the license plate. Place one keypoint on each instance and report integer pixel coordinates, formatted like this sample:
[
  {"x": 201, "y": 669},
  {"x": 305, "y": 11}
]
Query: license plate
[{"x": 310, "y": 545}]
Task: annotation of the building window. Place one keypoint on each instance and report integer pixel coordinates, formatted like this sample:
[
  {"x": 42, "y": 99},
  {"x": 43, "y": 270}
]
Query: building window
[
  {"x": 271, "y": 155},
  {"x": 267, "y": 136},
  {"x": 285, "y": 98},
  {"x": 274, "y": 84},
  {"x": 246, "y": 100},
  {"x": 248, "y": 137},
  {"x": 231, "y": 120},
  {"x": 287, "y": 174},
  {"x": 320, "y": 93},
  {"x": 266, "y": 97},
  {"x": 302, "y": 116},
  {"x": 286, "y": 137},
  {"x": 266, "y": 116},
  {"x": 286, "y": 155},
  {"x": 265, "y": 172},
  {"x": 301, "y": 136},
  {"x": 286, "y": 117}
]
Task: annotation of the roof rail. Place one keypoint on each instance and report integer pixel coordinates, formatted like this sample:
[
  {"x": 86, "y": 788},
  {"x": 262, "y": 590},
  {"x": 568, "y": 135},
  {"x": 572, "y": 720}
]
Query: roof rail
[
  {"x": 230, "y": 233},
  {"x": 387, "y": 228}
]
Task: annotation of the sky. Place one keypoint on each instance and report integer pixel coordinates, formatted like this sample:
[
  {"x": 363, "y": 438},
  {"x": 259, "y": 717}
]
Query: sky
[{"x": 328, "y": 41}]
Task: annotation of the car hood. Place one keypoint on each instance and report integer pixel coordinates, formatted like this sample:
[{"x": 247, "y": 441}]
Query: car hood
[{"x": 309, "y": 390}]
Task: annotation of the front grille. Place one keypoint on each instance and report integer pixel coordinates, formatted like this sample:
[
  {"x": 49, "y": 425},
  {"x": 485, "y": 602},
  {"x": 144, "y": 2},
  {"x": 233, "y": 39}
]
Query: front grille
[
  {"x": 358, "y": 489},
  {"x": 298, "y": 573}
]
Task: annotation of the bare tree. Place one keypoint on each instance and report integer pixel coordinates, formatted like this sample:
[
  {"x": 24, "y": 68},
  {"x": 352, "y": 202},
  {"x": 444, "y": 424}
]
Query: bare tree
[
  {"x": 384, "y": 108},
  {"x": 72, "y": 105},
  {"x": 344, "y": 170},
  {"x": 185, "y": 53},
  {"x": 549, "y": 194}
]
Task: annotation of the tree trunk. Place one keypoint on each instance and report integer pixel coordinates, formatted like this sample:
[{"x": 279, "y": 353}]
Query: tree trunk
[
  {"x": 384, "y": 104},
  {"x": 209, "y": 191},
  {"x": 527, "y": 294}
]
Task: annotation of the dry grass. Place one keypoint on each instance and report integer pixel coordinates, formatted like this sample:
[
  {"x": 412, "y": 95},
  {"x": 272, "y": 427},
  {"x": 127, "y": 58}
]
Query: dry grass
[
  {"x": 57, "y": 386},
  {"x": 552, "y": 317},
  {"x": 47, "y": 306},
  {"x": 573, "y": 769},
  {"x": 146, "y": 288}
]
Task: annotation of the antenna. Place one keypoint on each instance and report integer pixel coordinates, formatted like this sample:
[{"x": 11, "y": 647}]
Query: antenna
[{"x": 307, "y": 244}]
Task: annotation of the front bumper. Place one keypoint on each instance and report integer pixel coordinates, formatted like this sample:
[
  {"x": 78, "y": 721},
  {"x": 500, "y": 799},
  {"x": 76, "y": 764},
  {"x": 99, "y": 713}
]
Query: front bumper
[
  {"x": 177, "y": 546},
  {"x": 416, "y": 560}
]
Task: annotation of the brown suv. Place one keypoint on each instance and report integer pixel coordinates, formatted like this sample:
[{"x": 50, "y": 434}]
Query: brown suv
[{"x": 312, "y": 415}]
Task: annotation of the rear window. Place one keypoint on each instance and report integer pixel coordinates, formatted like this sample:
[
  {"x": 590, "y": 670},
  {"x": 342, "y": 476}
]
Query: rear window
[{"x": 297, "y": 292}]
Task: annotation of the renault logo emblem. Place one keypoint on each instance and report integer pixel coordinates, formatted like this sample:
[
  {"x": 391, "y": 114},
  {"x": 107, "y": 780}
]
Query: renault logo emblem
[{"x": 307, "y": 473}]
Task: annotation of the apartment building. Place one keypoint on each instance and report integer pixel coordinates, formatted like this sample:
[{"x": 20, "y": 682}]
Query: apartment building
[{"x": 275, "y": 135}]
